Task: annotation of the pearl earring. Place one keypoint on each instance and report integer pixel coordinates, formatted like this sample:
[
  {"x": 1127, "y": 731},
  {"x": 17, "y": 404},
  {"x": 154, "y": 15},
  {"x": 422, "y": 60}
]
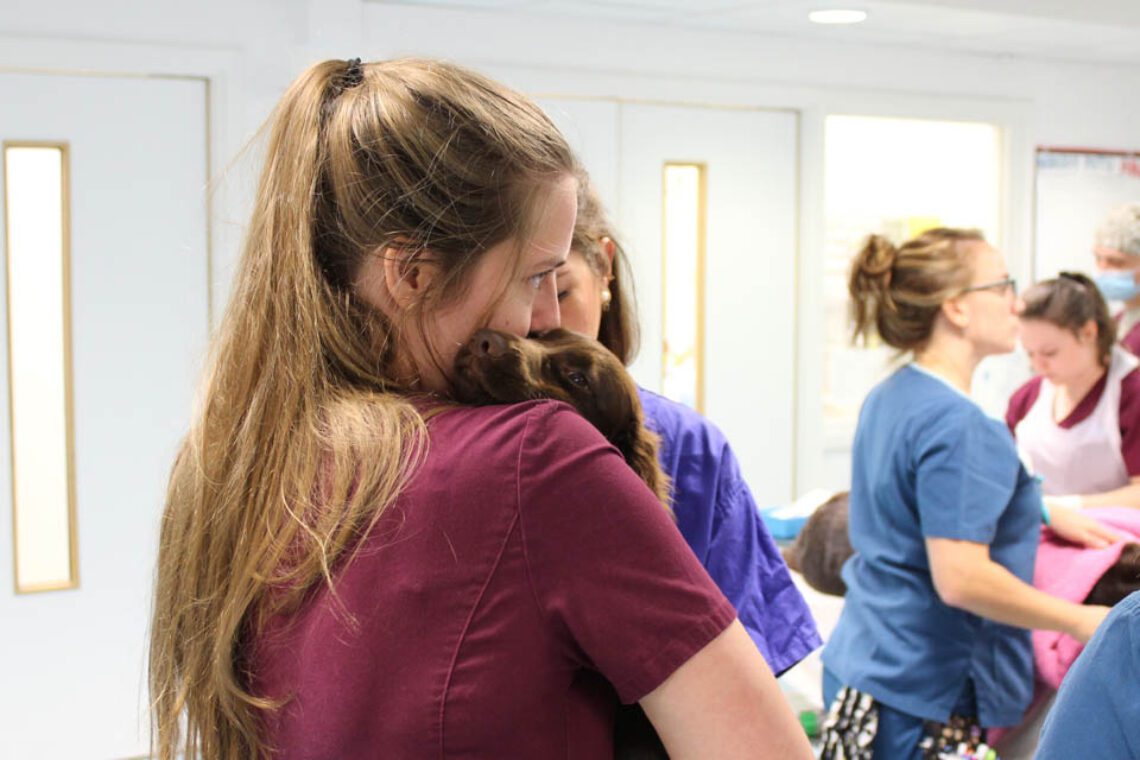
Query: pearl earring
[{"x": 606, "y": 298}]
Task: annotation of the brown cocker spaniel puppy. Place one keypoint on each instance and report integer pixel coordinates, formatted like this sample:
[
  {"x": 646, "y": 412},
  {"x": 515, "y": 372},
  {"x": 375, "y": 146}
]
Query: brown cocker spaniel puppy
[{"x": 499, "y": 368}]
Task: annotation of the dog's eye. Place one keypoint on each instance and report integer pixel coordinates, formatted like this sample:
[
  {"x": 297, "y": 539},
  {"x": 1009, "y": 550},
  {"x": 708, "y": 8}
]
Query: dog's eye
[{"x": 578, "y": 378}]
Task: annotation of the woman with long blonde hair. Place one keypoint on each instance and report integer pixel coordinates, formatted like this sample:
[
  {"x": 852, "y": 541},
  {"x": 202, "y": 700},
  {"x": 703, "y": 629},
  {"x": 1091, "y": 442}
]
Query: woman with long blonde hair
[{"x": 352, "y": 566}]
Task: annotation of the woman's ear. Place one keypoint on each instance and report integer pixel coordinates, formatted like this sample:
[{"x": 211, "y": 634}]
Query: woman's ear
[
  {"x": 407, "y": 275},
  {"x": 609, "y": 251},
  {"x": 957, "y": 312},
  {"x": 1087, "y": 333},
  {"x": 640, "y": 451}
]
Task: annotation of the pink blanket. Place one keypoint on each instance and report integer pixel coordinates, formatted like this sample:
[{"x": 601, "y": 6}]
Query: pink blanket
[{"x": 1069, "y": 572}]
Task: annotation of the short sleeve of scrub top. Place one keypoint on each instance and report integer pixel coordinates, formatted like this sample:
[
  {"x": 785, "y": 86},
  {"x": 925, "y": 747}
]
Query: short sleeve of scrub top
[
  {"x": 1130, "y": 422},
  {"x": 1097, "y": 713},
  {"x": 964, "y": 479},
  {"x": 719, "y": 519}
]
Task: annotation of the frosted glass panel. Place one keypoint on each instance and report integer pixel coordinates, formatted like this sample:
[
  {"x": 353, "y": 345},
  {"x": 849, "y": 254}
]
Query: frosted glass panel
[
  {"x": 35, "y": 192},
  {"x": 683, "y": 244},
  {"x": 898, "y": 178}
]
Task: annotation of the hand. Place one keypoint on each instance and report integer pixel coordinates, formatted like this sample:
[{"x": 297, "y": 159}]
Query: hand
[
  {"x": 1088, "y": 618},
  {"x": 1073, "y": 526}
]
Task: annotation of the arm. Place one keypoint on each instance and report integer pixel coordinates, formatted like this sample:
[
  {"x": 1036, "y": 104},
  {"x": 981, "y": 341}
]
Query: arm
[
  {"x": 724, "y": 702},
  {"x": 1126, "y": 496},
  {"x": 965, "y": 577},
  {"x": 622, "y": 594},
  {"x": 1077, "y": 528}
]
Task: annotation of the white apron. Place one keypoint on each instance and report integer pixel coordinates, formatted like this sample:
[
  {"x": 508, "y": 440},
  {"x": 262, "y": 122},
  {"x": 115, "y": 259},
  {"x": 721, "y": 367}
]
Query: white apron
[{"x": 1085, "y": 458}]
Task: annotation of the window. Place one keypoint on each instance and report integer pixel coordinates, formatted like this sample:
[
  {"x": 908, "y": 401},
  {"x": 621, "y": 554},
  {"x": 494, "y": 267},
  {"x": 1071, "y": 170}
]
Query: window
[
  {"x": 894, "y": 177},
  {"x": 39, "y": 366},
  {"x": 683, "y": 283}
]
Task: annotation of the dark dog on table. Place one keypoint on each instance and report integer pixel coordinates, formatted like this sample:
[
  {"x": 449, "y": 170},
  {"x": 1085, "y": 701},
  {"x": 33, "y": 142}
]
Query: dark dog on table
[
  {"x": 1120, "y": 580},
  {"x": 823, "y": 545},
  {"x": 499, "y": 368}
]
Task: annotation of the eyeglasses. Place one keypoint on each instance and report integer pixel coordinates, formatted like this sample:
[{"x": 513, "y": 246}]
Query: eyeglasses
[{"x": 1007, "y": 285}]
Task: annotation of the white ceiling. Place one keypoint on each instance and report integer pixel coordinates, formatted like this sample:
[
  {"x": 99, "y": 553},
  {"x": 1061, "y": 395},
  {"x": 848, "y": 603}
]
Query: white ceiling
[{"x": 1084, "y": 30}]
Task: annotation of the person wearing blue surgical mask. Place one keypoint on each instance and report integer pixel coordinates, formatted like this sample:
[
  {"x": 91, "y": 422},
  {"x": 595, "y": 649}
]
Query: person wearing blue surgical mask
[{"x": 1117, "y": 252}]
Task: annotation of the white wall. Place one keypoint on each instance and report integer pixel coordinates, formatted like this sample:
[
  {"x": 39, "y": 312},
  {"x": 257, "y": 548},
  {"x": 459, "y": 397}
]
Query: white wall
[{"x": 251, "y": 49}]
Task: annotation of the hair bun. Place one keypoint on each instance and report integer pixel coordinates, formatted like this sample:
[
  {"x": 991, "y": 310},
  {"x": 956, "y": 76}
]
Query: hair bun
[
  {"x": 897, "y": 291},
  {"x": 872, "y": 268},
  {"x": 878, "y": 256}
]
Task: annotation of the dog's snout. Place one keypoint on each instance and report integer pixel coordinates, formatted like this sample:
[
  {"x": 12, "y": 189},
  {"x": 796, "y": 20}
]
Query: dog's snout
[{"x": 487, "y": 343}]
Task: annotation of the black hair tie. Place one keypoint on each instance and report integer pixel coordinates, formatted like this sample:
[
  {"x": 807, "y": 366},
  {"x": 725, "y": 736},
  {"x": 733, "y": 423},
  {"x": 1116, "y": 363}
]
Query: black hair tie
[{"x": 353, "y": 74}]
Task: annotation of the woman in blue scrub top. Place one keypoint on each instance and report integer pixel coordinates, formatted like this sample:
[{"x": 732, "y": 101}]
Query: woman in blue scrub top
[
  {"x": 944, "y": 519},
  {"x": 1097, "y": 713}
]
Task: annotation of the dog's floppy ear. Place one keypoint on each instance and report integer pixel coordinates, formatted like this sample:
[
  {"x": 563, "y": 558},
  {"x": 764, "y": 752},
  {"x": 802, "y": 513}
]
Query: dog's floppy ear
[{"x": 639, "y": 446}]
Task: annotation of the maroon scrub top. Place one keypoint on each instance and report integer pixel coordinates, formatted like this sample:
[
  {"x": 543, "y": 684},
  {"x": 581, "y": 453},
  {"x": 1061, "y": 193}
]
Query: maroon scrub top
[{"x": 522, "y": 584}]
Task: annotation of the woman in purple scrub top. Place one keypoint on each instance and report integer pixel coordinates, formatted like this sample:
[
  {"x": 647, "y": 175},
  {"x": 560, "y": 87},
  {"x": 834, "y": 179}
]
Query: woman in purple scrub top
[{"x": 715, "y": 510}]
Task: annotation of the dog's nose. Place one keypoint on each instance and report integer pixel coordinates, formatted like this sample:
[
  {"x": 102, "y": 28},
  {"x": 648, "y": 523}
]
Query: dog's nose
[{"x": 488, "y": 343}]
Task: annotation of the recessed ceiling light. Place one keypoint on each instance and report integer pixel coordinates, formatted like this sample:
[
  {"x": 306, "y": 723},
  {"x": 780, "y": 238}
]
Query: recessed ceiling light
[{"x": 837, "y": 16}]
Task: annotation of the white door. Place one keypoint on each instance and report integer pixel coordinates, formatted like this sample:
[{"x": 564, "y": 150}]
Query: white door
[
  {"x": 593, "y": 129},
  {"x": 750, "y": 165},
  {"x": 72, "y": 662},
  {"x": 750, "y": 160}
]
